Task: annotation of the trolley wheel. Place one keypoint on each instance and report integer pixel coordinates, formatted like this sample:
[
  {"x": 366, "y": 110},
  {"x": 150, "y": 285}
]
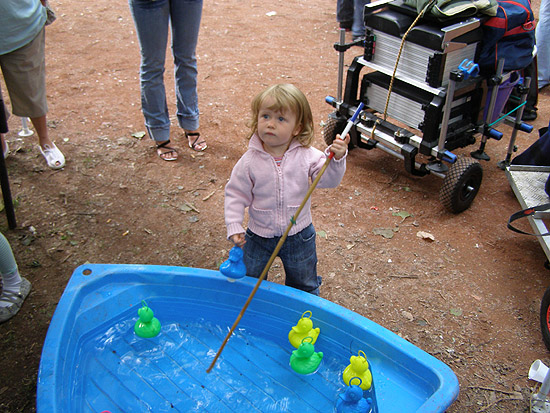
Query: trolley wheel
[
  {"x": 335, "y": 125},
  {"x": 545, "y": 318},
  {"x": 461, "y": 185}
]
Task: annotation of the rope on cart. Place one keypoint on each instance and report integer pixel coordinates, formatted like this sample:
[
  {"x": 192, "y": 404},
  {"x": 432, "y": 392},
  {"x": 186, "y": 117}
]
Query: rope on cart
[
  {"x": 509, "y": 113},
  {"x": 422, "y": 12}
]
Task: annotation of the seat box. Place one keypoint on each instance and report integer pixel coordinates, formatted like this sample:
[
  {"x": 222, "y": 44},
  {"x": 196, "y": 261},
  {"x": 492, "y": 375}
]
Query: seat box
[
  {"x": 420, "y": 109},
  {"x": 431, "y": 49}
]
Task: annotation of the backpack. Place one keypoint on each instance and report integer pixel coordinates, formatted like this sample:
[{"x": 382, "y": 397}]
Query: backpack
[
  {"x": 538, "y": 154},
  {"x": 509, "y": 35}
]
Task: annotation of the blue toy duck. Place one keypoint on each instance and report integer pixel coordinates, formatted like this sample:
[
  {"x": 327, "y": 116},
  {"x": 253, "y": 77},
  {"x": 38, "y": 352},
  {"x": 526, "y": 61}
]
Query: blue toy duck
[
  {"x": 303, "y": 329},
  {"x": 234, "y": 267},
  {"x": 352, "y": 401},
  {"x": 305, "y": 360},
  {"x": 358, "y": 367}
]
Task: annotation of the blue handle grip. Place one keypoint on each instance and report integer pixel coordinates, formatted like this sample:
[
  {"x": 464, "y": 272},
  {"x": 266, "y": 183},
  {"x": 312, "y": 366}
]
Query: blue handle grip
[
  {"x": 469, "y": 68},
  {"x": 525, "y": 127},
  {"x": 449, "y": 157},
  {"x": 357, "y": 112},
  {"x": 352, "y": 120}
]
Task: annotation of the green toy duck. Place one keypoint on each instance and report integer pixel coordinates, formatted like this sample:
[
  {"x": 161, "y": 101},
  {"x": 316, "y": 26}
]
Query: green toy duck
[
  {"x": 305, "y": 360},
  {"x": 147, "y": 326},
  {"x": 303, "y": 329},
  {"x": 358, "y": 367}
]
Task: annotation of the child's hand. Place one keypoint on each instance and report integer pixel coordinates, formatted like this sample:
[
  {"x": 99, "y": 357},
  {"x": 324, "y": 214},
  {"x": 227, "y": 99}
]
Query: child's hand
[
  {"x": 238, "y": 239},
  {"x": 339, "y": 146}
]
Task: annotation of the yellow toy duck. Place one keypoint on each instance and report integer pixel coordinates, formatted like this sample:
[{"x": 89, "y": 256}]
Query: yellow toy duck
[
  {"x": 303, "y": 329},
  {"x": 358, "y": 367}
]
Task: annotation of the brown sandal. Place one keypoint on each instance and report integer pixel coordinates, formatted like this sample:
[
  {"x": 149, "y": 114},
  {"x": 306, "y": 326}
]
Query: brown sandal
[
  {"x": 196, "y": 146},
  {"x": 166, "y": 153}
]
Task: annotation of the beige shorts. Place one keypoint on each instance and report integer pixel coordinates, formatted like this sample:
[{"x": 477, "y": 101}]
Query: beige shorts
[{"x": 24, "y": 72}]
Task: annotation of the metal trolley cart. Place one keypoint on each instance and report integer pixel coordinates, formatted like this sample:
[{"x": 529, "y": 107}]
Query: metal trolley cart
[
  {"x": 424, "y": 97},
  {"x": 528, "y": 184}
]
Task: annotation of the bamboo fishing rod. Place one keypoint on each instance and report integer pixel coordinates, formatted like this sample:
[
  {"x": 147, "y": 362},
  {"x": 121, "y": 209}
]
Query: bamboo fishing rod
[{"x": 279, "y": 245}]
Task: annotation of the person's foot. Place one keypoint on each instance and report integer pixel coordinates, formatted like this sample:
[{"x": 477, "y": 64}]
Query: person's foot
[
  {"x": 165, "y": 152},
  {"x": 195, "y": 141},
  {"x": 359, "y": 41},
  {"x": 53, "y": 156},
  {"x": 529, "y": 113},
  {"x": 13, "y": 300}
]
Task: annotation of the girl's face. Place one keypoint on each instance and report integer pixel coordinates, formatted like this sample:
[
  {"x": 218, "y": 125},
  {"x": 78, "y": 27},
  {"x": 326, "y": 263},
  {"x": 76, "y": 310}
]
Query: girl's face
[{"x": 276, "y": 129}]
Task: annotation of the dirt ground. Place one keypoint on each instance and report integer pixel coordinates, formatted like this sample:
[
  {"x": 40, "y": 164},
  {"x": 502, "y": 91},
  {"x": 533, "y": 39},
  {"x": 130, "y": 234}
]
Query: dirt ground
[{"x": 470, "y": 297}]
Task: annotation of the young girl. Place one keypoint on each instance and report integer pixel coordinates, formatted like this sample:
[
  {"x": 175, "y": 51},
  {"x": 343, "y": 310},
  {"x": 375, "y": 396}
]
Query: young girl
[{"x": 272, "y": 179}]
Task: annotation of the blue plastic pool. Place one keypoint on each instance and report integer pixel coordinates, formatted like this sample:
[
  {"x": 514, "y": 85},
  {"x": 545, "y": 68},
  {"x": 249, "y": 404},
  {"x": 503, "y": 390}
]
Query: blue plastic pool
[{"x": 92, "y": 361}]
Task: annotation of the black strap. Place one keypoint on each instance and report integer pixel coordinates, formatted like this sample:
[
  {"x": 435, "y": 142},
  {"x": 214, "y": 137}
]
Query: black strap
[{"x": 525, "y": 213}]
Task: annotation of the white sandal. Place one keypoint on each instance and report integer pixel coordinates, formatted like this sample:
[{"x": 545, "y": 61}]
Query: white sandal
[
  {"x": 15, "y": 300},
  {"x": 54, "y": 157}
]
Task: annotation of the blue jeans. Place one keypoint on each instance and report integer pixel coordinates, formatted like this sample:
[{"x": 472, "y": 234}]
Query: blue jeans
[
  {"x": 298, "y": 254},
  {"x": 152, "y": 19},
  {"x": 542, "y": 33},
  {"x": 352, "y": 10}
]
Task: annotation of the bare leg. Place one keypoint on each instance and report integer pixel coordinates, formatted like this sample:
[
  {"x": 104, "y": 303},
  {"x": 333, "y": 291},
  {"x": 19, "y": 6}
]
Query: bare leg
[
  {"x": 53, "y": 156},
  {"x": 3, "y": 140},
  {"x": 41, "y": 128}
]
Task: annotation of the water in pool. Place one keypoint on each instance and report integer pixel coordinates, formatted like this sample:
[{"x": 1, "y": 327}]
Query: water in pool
[{"x": 118, "y": 371}]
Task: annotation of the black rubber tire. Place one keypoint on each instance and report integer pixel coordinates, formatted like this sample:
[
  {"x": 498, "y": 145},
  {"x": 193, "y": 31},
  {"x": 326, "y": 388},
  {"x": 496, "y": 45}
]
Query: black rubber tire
[
  {"x": 335, "y": 125},
  {"x": 461, "y": 185},
  {"x": 545, "y": 318}
]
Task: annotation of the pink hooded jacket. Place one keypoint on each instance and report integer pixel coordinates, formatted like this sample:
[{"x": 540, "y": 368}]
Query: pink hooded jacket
[{"x": 272, "y": 194}]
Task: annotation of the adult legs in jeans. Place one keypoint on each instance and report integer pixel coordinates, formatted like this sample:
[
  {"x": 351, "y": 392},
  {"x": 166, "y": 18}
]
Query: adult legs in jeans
[
  {"x": 542, "y": 33},
  {"x": 152, "y": 19},
  {"x": 298, "y": 255},
  {"x": 344, "y": 13},
  {"x": 358, "y": 28}
]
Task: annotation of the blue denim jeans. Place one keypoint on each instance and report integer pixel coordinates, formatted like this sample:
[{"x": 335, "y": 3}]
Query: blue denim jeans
[
  {"x": 542, "y": 33},
  {"x": 152, "y": 19},
  {"x": 298, "y": 254},
  {"x": 352, "y": 10}
]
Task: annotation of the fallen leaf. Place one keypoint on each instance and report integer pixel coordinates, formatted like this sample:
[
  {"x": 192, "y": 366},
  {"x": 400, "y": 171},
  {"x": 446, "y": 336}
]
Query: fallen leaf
[
  {"x": 385, "y": 232},
  {"x": 402, "y": 214},
  {"x": 456, "y": 311},
  {"x": 516, "y": 395},
  {"x": 186, "y": 207},
  {"x": 322, "y": 234},
  {"x": 407, "y": 315},
  {"x": 425, "y": 235},
  {"x": 138, "y": 135}
]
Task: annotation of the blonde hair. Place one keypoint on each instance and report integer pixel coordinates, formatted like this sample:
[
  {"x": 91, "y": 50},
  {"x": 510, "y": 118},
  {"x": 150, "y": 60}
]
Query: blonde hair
[{"x": 286, "y": 97}]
